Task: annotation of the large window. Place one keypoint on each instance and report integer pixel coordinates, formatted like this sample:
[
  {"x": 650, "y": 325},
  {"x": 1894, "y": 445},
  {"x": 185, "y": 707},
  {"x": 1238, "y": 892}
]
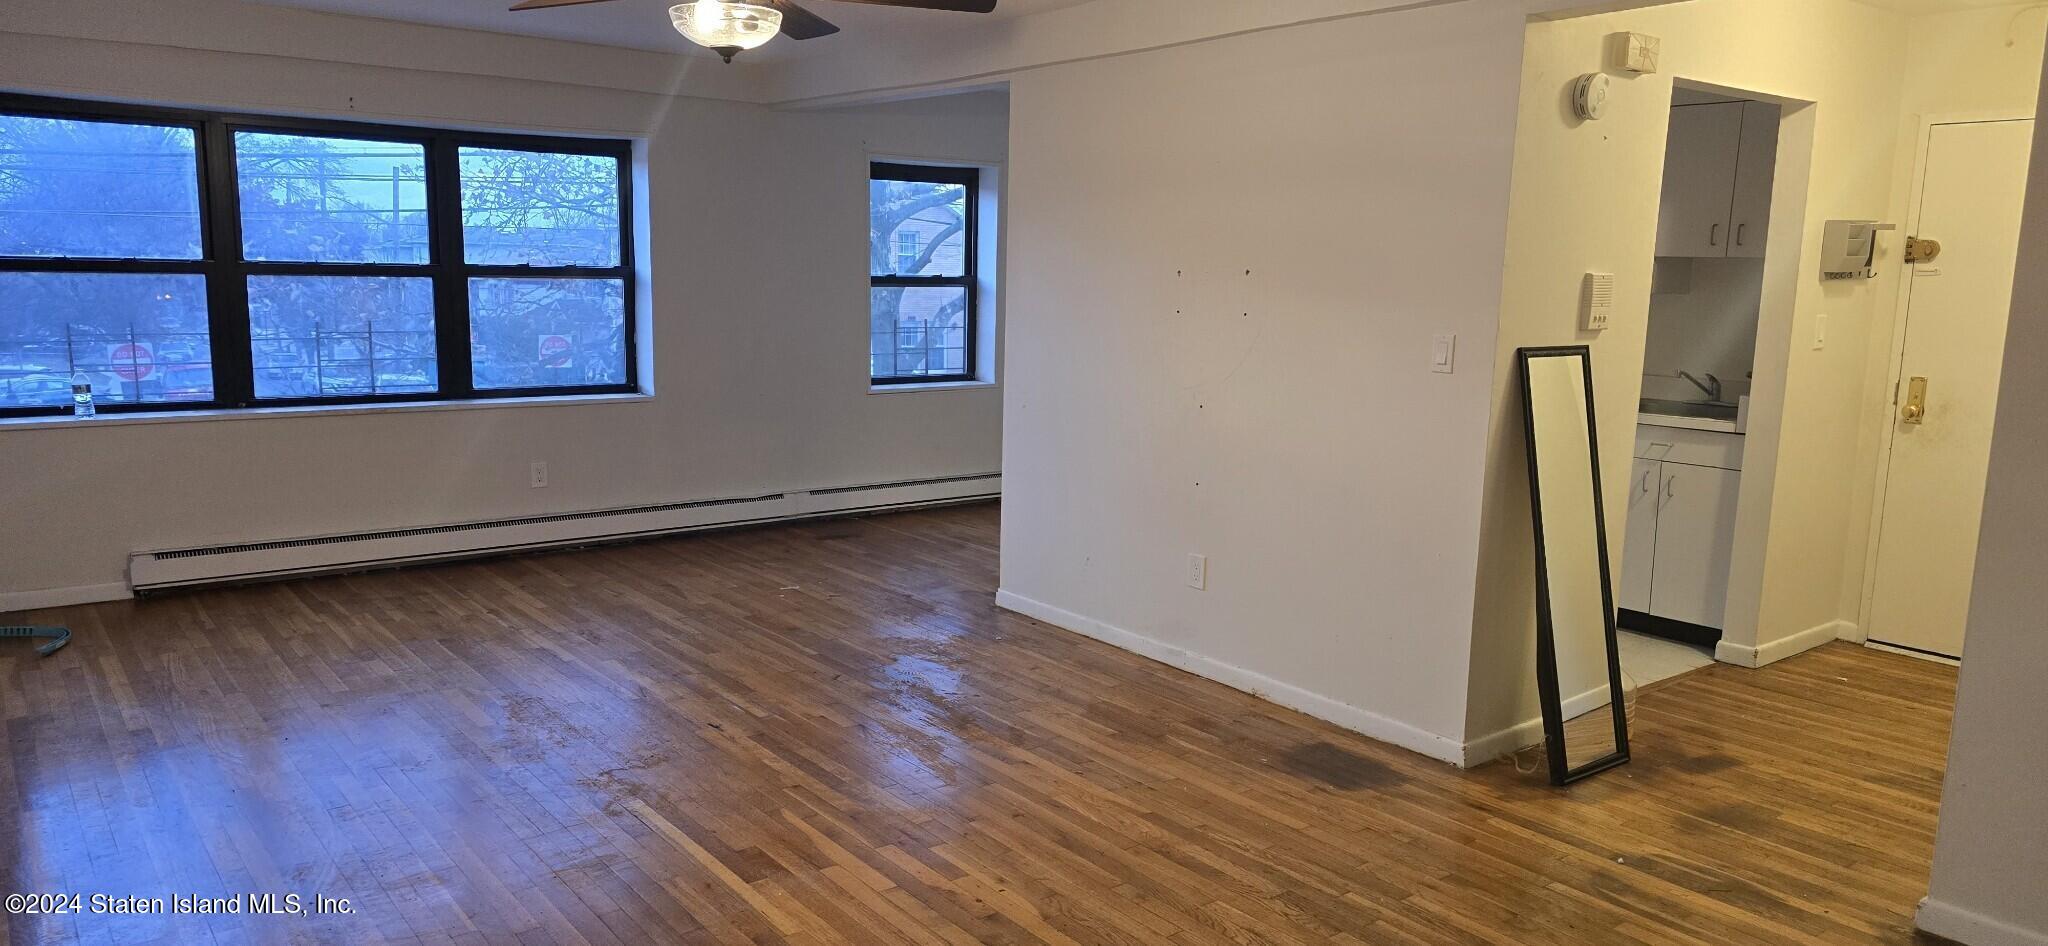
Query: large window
[
  {"x": 921, "y": 258},
  {"x": 188, "y": 259}
]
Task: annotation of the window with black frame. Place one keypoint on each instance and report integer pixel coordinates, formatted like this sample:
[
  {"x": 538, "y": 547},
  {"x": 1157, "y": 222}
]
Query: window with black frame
[
  {"x": 177, "y": 260},
  {"x": 921, "y": 257}
]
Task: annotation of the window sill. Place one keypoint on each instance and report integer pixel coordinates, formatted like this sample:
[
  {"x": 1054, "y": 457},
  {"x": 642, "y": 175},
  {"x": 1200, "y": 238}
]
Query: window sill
[
  {"x": 930, "y": 386},
  {"x": 316, "y": 410}
]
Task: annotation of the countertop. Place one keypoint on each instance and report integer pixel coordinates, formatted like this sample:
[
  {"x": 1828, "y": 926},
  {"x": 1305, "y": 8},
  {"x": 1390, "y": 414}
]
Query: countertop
[{"x": 1689, "y": 423}]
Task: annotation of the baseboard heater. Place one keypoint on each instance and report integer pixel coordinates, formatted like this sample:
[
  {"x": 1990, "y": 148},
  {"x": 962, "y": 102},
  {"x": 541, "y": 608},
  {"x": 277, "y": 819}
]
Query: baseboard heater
[{"x": 282, "y": 558}]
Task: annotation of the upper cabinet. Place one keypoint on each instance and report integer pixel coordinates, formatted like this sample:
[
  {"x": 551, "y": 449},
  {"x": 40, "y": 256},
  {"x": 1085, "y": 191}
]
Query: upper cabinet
[
  {"x": 1699, "y": 179},
  {"x": 1755, "y": 172},
  {"x": 1719, "y": 166}
]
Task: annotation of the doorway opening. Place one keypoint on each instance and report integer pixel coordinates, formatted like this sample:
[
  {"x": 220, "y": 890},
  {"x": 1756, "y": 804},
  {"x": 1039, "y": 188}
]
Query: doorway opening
[{"x": 1706, "y": 298}]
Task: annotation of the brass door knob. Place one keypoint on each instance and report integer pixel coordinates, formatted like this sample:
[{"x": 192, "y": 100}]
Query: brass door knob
[{"x": 1914, "y": 411}]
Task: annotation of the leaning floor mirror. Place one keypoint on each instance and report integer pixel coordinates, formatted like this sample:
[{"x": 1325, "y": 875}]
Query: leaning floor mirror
[{"x": 1578, "y": 669}]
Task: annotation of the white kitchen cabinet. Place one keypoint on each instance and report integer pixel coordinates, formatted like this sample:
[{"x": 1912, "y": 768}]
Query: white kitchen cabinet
[
  {"x": 1681, "y": 526},
  {"x": 1640, "y": 547},
  {"x": 1695, "y": 539},
  {"x": 1699, "y": 179},
  {"x": 1756, "y": 172},
  {"x": 1719, "y": 167}
]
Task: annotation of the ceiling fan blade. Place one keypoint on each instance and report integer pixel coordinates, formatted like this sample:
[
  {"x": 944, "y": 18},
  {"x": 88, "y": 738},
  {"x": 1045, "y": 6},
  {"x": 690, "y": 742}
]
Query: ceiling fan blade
[
  {"x": 544, "y": 4},
  {"x": 799, "y": 23},
  {"x": 957, "y": 6}
]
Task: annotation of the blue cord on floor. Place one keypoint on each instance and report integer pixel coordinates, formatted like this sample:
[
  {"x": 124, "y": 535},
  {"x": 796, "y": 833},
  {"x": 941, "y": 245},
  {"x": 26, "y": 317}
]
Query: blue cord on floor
[{"x": 59, "y": 636}]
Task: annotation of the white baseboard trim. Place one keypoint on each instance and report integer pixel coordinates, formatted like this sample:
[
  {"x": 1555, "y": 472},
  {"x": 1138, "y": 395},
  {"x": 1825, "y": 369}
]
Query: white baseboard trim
[
  {"x": 1528, "y": 732},
  {"x": 11, "y": 601},
  {"x": 1366, "y": 722},
  {"x": 1915, "y": 654},
  {"x": 1771, "y": 652},
  {"x": 1971, "y": 928}
]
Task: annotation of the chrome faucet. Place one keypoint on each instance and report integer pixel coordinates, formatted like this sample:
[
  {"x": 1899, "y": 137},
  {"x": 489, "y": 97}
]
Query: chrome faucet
[{"x": 1710, "y": 387}]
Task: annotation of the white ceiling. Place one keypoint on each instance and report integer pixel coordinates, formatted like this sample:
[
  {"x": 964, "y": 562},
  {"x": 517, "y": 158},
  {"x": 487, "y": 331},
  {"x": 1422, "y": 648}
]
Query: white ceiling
[
  {"x": 1938, "y": 6},
  {"x": 643, "y": 24}
]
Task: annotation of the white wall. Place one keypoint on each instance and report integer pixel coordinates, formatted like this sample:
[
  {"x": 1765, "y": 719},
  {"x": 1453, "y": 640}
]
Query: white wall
[
  {"x": 759, "y": 325},
  {"x": 1705, "y": 324},
  {"x": 1978, "y": 63},
  {"x": 1227, "y": 263},
  {"x": 1586, "y": 198},
  {"x": 1990, "y": 885}
]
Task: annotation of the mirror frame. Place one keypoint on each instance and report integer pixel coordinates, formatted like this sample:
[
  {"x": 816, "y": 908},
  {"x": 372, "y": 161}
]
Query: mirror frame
[{"x": 1561, "y": 772}]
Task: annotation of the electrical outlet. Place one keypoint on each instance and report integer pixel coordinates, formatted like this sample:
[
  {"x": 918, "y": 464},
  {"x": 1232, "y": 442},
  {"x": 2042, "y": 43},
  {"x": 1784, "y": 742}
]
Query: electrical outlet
[
  {"x": 540, "y": 474},
  {"x": 1198, "y": 572}
]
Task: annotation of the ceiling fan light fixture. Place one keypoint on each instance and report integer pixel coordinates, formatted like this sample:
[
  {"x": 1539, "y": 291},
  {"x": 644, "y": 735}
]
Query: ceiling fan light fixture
[{"x": 725, "y": 26}]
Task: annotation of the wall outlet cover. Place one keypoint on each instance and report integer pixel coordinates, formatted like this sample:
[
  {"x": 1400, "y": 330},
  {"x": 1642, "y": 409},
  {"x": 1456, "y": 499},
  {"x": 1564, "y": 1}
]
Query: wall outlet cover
[
  {"x": 538, "y": 474},
  {"x": 1198, "y": 572}
]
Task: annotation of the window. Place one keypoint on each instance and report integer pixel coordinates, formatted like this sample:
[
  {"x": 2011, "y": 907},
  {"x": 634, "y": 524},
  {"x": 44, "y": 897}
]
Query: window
[
  {"x": 909, "y": 246},
  {"x": 189, "y": 259},
  {"x": 921, "y": 255}
]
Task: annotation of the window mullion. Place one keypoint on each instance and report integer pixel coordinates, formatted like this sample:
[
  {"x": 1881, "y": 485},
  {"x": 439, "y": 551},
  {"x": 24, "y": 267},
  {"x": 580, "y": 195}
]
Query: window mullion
[
  {"x": 227, "y": 288},
  {"x": 970, "y": 338},
  {"x": 451, "y": 284}
]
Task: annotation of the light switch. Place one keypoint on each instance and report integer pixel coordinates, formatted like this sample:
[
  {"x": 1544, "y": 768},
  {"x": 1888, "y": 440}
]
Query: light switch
[{"x": 1443, "y": 354}]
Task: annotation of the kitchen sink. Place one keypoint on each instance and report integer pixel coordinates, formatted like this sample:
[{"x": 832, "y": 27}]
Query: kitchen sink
[{"x": 1712, "y": 410}]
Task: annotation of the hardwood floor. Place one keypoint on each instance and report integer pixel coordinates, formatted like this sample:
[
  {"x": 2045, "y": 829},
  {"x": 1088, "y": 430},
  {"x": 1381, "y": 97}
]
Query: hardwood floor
[{"x": 827, "y": 733}]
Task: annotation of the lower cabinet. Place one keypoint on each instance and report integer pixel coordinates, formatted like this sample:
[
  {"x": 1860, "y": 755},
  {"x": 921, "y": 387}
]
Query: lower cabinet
[
  {"x": 1681, "y": 536},
  {"x": 1695, "y": 540},
  {"x": 1646, "y": 488}
]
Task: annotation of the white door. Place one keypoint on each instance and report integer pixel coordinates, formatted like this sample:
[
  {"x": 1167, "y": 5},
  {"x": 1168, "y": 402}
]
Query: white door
[
  {"x": 1695, "y": 541},
  {"x": 1639, "y": 549},
  {"x": 1756, "y": 170},
  {"x": 1699, "y": 179},
  {"x": 1975, "y": 184}
]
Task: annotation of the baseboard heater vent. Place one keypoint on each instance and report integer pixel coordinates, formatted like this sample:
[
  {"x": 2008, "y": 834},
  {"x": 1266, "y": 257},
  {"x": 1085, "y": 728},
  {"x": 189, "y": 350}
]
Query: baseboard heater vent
[
  {"x": 280, "y": 558},
  {"x": 460, "y": 527}
]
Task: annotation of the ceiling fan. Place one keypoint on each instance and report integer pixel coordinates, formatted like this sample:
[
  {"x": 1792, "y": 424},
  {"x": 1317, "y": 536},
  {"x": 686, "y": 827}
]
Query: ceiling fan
[{"x": 729, "y": 27}]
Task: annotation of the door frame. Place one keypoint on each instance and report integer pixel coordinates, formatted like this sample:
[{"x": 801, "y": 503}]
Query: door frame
[{"x": 1895, "y": 356}]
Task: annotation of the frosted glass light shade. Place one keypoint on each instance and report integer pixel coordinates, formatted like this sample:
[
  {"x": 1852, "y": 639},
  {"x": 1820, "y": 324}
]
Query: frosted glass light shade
[{"x": 726, "y": 26}]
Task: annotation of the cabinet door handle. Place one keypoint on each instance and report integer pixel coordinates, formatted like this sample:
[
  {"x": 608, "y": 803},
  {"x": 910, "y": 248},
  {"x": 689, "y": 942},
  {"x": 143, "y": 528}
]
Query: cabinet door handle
[
  {"x": 1740, "y": 230},
  {"x": 1714, "y": 235},
  {"x": 1646, "y": 482},
  {"x": 1670, "y": 489}
]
